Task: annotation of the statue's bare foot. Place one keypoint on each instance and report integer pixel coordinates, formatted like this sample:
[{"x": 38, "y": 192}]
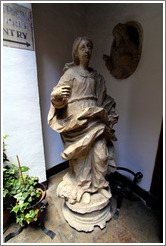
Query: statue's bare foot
[
  {"x": 105, "y": 193},
  {"x": 86, "y": 197},
  {"x": 79, "y": 194}
]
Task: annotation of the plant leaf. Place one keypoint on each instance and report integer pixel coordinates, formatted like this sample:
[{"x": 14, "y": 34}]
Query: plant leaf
[
  {"x": 33, "y": 193},
  {"x": 18, "y": 196},
  {"x": 7, "y": 135},
  {"x": 24, "y": 168},
  {"x": 5, "y": 192},
  {"x": 36, "y": 211},
  {"x": 30, "y": 199},
  {"x": 25, "y": 195},
  {"x": 16, "y": 208}
]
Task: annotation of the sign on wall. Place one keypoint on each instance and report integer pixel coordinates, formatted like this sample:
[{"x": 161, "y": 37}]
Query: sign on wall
[{"x": 17, "y": 26}]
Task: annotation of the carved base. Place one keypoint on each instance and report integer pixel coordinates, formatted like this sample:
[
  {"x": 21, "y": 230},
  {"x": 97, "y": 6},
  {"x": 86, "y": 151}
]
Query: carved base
[
  {"x": 87, "y": 221},
  {"x": 97, "y": 201}
]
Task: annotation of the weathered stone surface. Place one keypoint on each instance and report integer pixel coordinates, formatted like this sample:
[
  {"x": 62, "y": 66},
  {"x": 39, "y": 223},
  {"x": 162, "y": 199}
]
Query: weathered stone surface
[
  {"x": 97, "y": 202},
  {"x": 84, "y": 115},
  {"x": 87, "y": 222}
]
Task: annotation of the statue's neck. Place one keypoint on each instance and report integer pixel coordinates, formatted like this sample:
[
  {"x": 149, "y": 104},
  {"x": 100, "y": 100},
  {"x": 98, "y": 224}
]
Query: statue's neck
[{"x": 83, "y": 67}]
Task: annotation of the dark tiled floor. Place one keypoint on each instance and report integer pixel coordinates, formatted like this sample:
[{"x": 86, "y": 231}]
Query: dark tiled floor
[{"x": 136, "y": 224}]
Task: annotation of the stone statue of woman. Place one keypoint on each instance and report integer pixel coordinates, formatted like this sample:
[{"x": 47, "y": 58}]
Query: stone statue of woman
[{"x": 84, "y": 115}]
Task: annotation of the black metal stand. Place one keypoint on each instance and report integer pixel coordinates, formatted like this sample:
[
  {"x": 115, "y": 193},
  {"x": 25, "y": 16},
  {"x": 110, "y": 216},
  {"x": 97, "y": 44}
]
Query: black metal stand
[
  {"x": 123, "y": 187},
  {"x": 39, "y": 222}
]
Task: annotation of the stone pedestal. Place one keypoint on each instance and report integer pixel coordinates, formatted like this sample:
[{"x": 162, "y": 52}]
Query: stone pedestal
[{"x": 85, "y": 216}]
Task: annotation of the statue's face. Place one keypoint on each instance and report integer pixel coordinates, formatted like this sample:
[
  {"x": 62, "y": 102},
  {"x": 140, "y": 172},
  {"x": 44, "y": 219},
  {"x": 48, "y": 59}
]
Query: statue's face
[{"x": 84, "y": 51}]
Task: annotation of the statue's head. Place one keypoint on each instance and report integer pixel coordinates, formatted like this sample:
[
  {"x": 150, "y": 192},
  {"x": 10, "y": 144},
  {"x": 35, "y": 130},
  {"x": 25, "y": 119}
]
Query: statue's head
[{"x": 76, "y": 44}]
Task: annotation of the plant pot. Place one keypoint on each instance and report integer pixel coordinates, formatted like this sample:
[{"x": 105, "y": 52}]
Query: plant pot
[
  {"x": 38, "y": 203},
  {"x": 8, "y": 202},
  {"x": 6, "y": 219}
]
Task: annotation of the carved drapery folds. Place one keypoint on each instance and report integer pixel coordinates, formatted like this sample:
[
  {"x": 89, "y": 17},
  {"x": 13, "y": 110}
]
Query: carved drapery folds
[{"x": 84, "y": 114}]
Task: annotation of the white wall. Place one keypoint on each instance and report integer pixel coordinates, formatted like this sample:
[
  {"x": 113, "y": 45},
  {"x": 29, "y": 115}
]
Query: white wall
[
  {"x": 139, "y": 98},
  {"x": 21, "y": 111},
  {"x": 55, "y": 27}
]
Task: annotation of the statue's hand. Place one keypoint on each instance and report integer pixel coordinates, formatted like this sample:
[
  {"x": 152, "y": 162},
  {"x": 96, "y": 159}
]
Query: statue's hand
[
  {"x": 60, "y": 95},
  {"x": 61, "y": 92}
]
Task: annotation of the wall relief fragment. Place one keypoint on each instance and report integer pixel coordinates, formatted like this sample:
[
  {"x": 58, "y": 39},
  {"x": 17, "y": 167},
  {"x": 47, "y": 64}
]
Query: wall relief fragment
[{"x": 125, "y": 50}]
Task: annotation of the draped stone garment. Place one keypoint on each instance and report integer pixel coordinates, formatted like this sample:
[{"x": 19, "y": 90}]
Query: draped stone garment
[{"x": 85, "y": 122}]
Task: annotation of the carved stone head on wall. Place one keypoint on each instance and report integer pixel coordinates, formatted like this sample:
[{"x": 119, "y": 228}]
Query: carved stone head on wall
[{"x": 125, "y": 50}]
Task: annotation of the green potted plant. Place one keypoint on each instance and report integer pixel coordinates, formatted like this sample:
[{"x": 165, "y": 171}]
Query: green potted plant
[
  {"x": 28, "y": 195},
  {"x": 22, "y": 193},
  {"x": 23, "y": 196}
]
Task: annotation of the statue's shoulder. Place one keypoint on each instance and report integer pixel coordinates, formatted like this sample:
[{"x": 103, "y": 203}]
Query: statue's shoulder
[
  {"x": 93, "y": 72},
  {"x": 98, "y": 75},
  {"x": 69, "y": 72}
]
